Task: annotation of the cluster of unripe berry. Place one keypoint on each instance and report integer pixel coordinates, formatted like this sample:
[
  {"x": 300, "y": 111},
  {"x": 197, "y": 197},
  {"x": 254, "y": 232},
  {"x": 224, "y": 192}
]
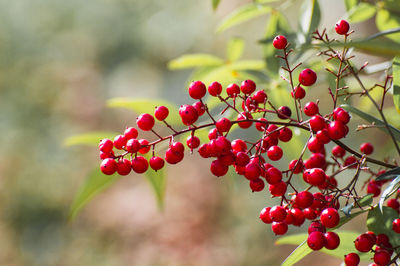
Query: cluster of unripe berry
[{"x": 254, "y": 160}]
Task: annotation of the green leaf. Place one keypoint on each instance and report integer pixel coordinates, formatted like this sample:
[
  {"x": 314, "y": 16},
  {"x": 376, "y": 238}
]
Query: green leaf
[
  {"x": 345, "y": 219},
  {"x": 243, "y": 14},
  {"x": 246, "y": 65},
  {"x": 350, "y": 4},
  {"x": 396, "y": 82},
  {"x": 90, "y": 138},
  {"x": 300, "y": 252},
  {"x": 95, "y": 183},
  {"x": 387, "y": 192},
  {"x": 364, "y": 201},
  {"x": 311, "y": 16},
  {"x": 140, "y": 106},
  {"x": 157, "y": 181},
  {"x": 266, "y": 1},
  {"x": 194, "y": 60},
  {"x": 389, "y": 174},
  {"x": 386, "y": 20},
  {"x": 235, "y": 49},
  {"x": 361, "y": 12},
  {"x": 381, "y": 223},
  {"x": 377, "y": 47},
  {"x": 215, "y": 4},
  {"x": 372, "y": 119}
]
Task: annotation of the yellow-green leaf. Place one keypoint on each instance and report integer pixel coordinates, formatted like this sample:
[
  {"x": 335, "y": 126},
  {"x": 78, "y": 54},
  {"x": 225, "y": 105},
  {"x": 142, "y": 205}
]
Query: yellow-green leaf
[
  {"x": 157, "y": 181},
  {"x": 386, "y": 20},
  {"x": 235, "y": 49},
  {"x": 90, "y": 138},
  {"x": 361, "y": 12},
  {"x": 194, "y": 60},
  {"x": 215, "y": 4},
  {"x": 310, "y": 16}
]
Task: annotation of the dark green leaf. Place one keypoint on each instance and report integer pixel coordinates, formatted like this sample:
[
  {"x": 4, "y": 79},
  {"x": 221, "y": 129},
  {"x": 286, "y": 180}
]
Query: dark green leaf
[
  {"x": 364, "y": 201},
  {"x": 243, "y": 14},
  {"x": 157, "y": 181},
  {"x": 215, "y": 4},
  {"x": 396, "y": 82},
  {"x": 90, "y": 138},
  {"x": 372, "y": 119},
  {"x": 95, "y": 183},
  {"x": 388, "y": 191},
  {"x": 311, "y": 16},
  {"x": 235, "y": 49},
  {"x": 389, "y": 174},
  {"x": 194, "y": 60},
  {"x": 381, "y": 223},
  {"x": 385, "y": 20},
  {"x": 361, "y": 12}
]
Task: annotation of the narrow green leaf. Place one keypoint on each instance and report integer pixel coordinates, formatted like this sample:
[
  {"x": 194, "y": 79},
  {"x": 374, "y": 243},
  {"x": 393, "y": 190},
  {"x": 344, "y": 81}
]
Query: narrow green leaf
[
  {"x": 215, "y": 4},
  {"x": 389, "y": 174},
  {"x": 235, "y": 49},
  {"x": 381, "y": 223},
  {"x": 157, "y": 181},
  {"x": 243, "y": 14},
  {"x": 194, "y": 60},
  {"x": 362, "y": 12},
  {"x": 345, "y": 219},
  {"x": 90, "y": 138},
  {"x": 377, "y": 47},
  {"x": 350, "y": 4},
  {"x": 364, "y": 201},
  {"x": 387, "y": 192},
  {"x": 385, "y": 20},
  {"x": 300, "y": 252},
  {"x": 372, "y": 119},
  {"x": 396, "y": 82},
  {"x": 95, "y": 183},
  {"x": 266, "y": 1},
  {"x": 146, "y": 106},
  {"x": 311, "y": 16}
]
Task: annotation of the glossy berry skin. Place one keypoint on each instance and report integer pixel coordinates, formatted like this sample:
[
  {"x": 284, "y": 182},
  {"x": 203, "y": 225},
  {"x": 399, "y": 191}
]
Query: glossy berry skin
[
  {"x": 367, "y": 148},
  {"x": 144, "y": 144},
  {"x": 316, "y": 227},
  {"x": 132, "y": 146},
  {"x": 394, "y": 204},
  {"x": 279, "y": 42},
  {"x": 307, "y": 77},
  {"x": 156, "y": 163},
  {"x": 248, "y": 86},
  {"x": 215, "y": 89},
  {"x": 140, "y": 164},
  {"x": 285, "y": 134},
  {"x": 316, "y": 240},
  {"x": 200, "y": 108},
  {"x": 218, "y": 168},
  {"x": 232, "y": 90},
  {"x": 197, "y": 90},
  {"x": 124, "y": 167},
  {"x": 244, "y": 116},
  {"x": 317, "y": 123},
  {"x": 338, "y": 152},
  {"x": 352, "y": 259},
  {"x": 275, "y": 153},
  {"x": 296, "y": 167},
  {"x": 311, "y": 109},
  {"x": 130, "y": 133},
  {"x": 374, "y": 188},
  {"x": 332, "y": 240},
  {"x": 279, "y": 228},
  {"x": 239, "y": 145},
  {"x": 193, "y": 142},
  {"x": 273, "y": 175},
  {"x": 145, "y": 122},
  {"x": 277, "y": 213},
  {"x": 315, "y": 176},
  {"x": 342, "y": 27},
  {"x": 315, "y": 145},
  {"x": 364, "y": 243},
  {"x": 278, "y": 189},
  {"x": 257, "y": 185},
  {"x": 223, "y": 124},
  {"x": 161, "y": 113},
  {"x": 330, "y": 217},
  {"x": 119, "y": 142},
  {"x": 323, "y": 136},
  {"x": 284, "y": 112},
  {"x": 303, "y": 199},
  {"x": 106, "y": 145},
  {"x": 252, "y": 171},
  {"x": 299, "y": 93},
  {"x": 264, "y": 215},
  {"x": 188, "y": 114},
  {"x": 108, "y": 166},
  {"x": 336, "y": 130},
  {"x": 396, "y": 225},
  {"x": 382, "y": 257},
  {"x": 260, "y": 97}
]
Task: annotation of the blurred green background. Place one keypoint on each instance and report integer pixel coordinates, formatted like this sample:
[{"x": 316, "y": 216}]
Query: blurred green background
[{"x": 59, "y": 62}]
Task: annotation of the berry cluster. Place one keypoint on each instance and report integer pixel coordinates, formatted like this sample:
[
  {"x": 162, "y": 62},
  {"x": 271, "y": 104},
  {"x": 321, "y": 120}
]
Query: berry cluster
[{"x": 254, "y": 160}]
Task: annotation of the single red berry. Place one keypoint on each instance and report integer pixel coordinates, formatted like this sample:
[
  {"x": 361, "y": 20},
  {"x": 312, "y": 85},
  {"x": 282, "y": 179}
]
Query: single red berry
[
  {"x": 161, "y": 113},
  {"x": 317, "y": 123},
  {"x": 213, "y": 134},
  {"x": 299, "y": 93},
  {"x": 132, "y": 146},
  {"x": 177, "y": 147},
  {"x": 119, "y": 142},
  {"x": 284, "y": 112},
  {"x": 203, "y": 150},
  {"x": 218, "y": 169},
  {"x": 275, "y": 153},
  {"x": 193, "y": 142},
  {"x": 278, "y": 189},
  {"x": 332, "y": 240},
  {"x": 156, "y": 163},
  {"x": 279, "y": 228},
  {"x": 315, "y": 176},
  {"x": 197, "y": 90},
  {"x": 394, "y": 204},
  {"x": 260, "y": 126},
  {"x": 374, "y": 188},
  {"x": 307, "y": 77},
  {"x": 352, "y": 259},
  {"x": 256, "y": 185},
  {"x": 314, "y": 145},
  {"x": 296, "y": 166},
  {"x": 252, "y": 171},
  {"x": 341, "y": 115},
  {"x": 105, "y": 155},
  {"x": 311, "y": 109},
  {"x": 366, "y": 148},
  {"x": 260, "y": 97},
  {"x": 239, "y": 145},
  {"x": 188, "y": 114},
  {"x": 396, "y": 225},
  {"x": 316, "y": 226},
  {"x": 382, "y": 257},
  {"x": 124, "y": 167},
  {"x": 299, "y": 217},
  {"x": 248, "y": 86},
  {"x": 285, "y": 134},
  {"x": 223, "y": 124},
  {"x": 272, "y": 131},
  {"x": 273, "y": 175},
  {"x": 215, "y": 89},
  {"x": 382, "y": 240},
  {"x": 279, "y": 42},
  {"x": 330, "y": 217},
  {"x": 303, "y": 199},
  {"x": 106, "y": 145},
  {"x": 244, "y": 116},
  {"x": 342, "y": 27},
  {"x": 364, "y": 243},
  {"x": 264, "y": 215},
  {"x": 338, "y": 151},
  {"x": 351, "y": 160},
  {"x": 316, "y": 240},
  {"x": 233, "y": 90},
  {"x": 310, "y": 213},
  {"x": 108, "y": 166},
  {"x": 144, "y": 146},
  {"x": 316, "y": 160},
  {"x": 200, "y": 108},
  {"x": 242, "y": 159},
  {"x": 337, "y": 130},
  {"x": 172, "y": 157},
  {"x": 130, "y": 133},
  {"x": 140, "y": 164},
  {"x": 277, "y": 213},
  {"x": 145, "y": 122},
  {"x": 323, "y": 136}
]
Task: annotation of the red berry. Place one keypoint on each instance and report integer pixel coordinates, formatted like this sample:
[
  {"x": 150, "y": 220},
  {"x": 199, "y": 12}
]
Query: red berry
[
  {"x": 382, "y": 240},
  {"x": 188, "y": 114},
  {"x": 218, "y": 169},
  {"x": 156, "y": 163},
  {"x": 140, "y": 164},
  {"x": 351, "y": 160},
  {"x": 260, "y": 126},
  {"x": 317, "y": 123},
  {"x": 108, "y": 166},
  {"x": 296, "y": 166},
  {"x": 298, "y": 217},
  {"x": 316, "y": 240},
  {"x": 284, "y": 112},
  {"x": 144, "y": 144},
  {"x": 275, "y": 153},
  {"x": 272, "y": 131},
  {"x": 394, "y": 204},
  {"x": 277, "y": 213},
  {"x": 330, "y": 217},
  {"x": 285, "y": 134},
  {"x": 316, "y": 160},
  {"x": 161, "y": 113},
  {"x": 130, "y": 133},
  {"x": 106, "y": 145},
  {"x": 124, "y": 167},
  {"x": 307, "y": 77},
  {"x": 316, "y": 227},
  {"x": 303, "y": 199},
  {"x": 299, "y": 93},
  {"x": 256, "y": 185},
  {"x": 366, "y": 148},
  {"x": 193, "y": 142},
  {"x": 332, "y": 240},
  {"x": 278, "y": 189},
  {"x": 244, "y": 116},
  {"x": 105, "y": 155},
  {"x": 337, "y": 130},
  {"x": 239, "y": 145},
  {"x": 252, "y": 171},
  {"x": 352, "y": 259},
  {"x": 315, "y": 176},
  {"x": 259, "y": 97},
  {"x": 374, "y": 188},
  {"x": 132, "y": 146},
  {"x": 200, "y": 108},
  {"x": 382, "y": 257},
  {"x": 119, "y": 142},
  {"x": 279, "y": 228},
  {"x": 314, "y": 145},
  {"x": 197, "y": 90},
  {"x": 145, "y": 122},
  {"x": 264, "y": 215},
  {"x": 311, "y": 109},
  {"x": 341, "y": 115},
  {"x": 309, "y": 213},
  {"x": 233, "y": 90},
  {"x": 215, "y": 89},
  {"x": 248, "y": 86},
  {"x": 396, "y": 225},
  {"x": 342, "y": 27},
  {"x": 242, "y": 159},
  {"x": 338, "y": 152},
  {"x": 273, "y": 175},
  {"x": 364, "y": 243},
  {"x": 172, "y": 157},
  {"x": 279, "y": 42},
  {"x": 323, "y": 136},
  {"x": 223, "y": 124}
]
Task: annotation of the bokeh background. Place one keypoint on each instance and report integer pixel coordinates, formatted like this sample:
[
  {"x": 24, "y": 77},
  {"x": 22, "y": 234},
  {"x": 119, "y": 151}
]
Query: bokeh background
[{"x": 59, "y": 62}]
